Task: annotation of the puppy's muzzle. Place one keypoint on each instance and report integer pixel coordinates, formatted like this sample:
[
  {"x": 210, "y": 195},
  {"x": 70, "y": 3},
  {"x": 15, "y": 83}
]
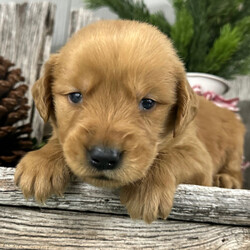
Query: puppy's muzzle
[{"x": 104, "y": 158}]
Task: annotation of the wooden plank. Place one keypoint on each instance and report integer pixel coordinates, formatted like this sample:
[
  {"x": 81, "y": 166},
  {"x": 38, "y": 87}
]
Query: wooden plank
[
  {"x": 80, "y": 18},
  {"x": 25, "y": 38},
  {"x": 239, "y": 87},
  {"x": 31, "y": 229},
  {"x": 192, "y": 203},
  {"x": 62, "y": 17}
]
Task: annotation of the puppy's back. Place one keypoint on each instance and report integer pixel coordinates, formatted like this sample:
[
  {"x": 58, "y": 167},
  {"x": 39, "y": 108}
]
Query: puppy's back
[{"x": 222, "y": 132}]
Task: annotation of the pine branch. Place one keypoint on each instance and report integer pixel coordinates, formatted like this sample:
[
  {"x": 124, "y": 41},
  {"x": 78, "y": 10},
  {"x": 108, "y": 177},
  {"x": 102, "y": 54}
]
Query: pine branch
[
  {"x": 182, "y": 32},
  {"x": 127, "y": 9},
  {"x": 199, "y": 46},
  {"x": 240, "y": 61},
  {"x": 230, "y": 11},
  {"x": 223, "y": 49},
  {"x": 132, "y": 10},
  {"x": 220, "y": 13}
]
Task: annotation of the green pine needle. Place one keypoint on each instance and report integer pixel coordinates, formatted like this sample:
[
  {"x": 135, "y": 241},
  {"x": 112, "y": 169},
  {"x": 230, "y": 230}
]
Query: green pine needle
[
  {"x": 126, "y": 9},
  {"x": 182, "y": 32},
  {"x": 223, "y": 49},
  {"x": 132, "y": 10}
]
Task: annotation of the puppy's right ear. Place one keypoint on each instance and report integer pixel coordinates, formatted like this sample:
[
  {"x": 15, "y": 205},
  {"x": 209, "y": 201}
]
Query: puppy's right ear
[
  {"x": 41, "y": 90},
  {"x": 187, "y": 105}
]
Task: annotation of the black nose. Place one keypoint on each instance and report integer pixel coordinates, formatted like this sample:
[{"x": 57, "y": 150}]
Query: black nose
[{"x": 104, "y": 158}]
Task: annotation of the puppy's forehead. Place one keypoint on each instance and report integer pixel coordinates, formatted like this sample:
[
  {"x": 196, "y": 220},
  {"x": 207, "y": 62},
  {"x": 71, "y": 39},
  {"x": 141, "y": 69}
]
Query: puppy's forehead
[{"x": 128, "y": 54}]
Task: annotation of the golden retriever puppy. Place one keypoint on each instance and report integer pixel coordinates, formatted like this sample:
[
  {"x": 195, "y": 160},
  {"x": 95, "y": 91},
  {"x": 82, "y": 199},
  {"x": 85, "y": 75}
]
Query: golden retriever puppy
[{"x": 124, "y": 115}]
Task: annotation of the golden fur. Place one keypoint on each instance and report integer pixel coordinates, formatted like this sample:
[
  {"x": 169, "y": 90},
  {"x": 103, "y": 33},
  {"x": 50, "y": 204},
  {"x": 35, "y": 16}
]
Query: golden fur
[{"x": 183, "y": 139}]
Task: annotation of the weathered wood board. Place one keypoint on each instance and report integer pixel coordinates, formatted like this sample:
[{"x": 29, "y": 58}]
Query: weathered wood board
[
  {"x": 88, "y": 216},
  {"x": 239, "y": 87},
  {"x": 25, "y": 39},
  {"x": 192, "y": 203},
  {"x": 56, "y": 229},
  {"x": 80, "y": 18},
  {"x": 92, "y": 217}
]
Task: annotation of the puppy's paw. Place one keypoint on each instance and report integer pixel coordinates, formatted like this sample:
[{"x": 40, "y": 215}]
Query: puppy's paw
[
  {"x": 147, "y": 202},
  {"x": 226, "y": 181},
  {"x": 41, "y": 177}
]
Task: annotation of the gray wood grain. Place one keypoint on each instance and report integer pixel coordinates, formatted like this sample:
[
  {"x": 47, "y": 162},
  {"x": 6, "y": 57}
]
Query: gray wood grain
[
  {"x": 54, "y": 229},
  {"x": 80, "y": 18},
  {"x": 192, "y": 203},
  {"x": 25, "y": 38},
  {"x": 239, "y": 87}
]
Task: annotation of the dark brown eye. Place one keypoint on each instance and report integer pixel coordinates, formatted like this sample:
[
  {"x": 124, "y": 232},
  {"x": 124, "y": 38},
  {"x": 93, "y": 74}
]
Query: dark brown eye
[
  {"x": 75, "y": 97},
  {"x": 146, "y": 104}
]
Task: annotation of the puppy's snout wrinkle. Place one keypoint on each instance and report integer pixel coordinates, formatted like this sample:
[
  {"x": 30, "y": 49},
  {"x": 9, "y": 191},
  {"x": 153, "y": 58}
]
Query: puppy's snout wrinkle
[{"x": 102, "y": 158}]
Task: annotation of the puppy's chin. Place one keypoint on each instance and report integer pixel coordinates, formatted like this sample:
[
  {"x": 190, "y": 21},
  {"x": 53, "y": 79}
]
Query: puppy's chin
[{"x": 102, "y": 181}]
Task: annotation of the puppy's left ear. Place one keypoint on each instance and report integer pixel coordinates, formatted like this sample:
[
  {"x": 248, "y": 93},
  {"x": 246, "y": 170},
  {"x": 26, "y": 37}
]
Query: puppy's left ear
[
  {"x": 41, "y": 91},
  {"x": 187, "y": 105}
]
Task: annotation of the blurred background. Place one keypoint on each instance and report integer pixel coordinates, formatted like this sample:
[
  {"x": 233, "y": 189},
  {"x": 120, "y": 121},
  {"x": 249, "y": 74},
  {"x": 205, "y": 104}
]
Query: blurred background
[{"x": 64, "y": 8}]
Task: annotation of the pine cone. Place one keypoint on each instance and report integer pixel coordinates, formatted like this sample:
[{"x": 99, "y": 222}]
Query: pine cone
[{"x": 14, "y": 140}]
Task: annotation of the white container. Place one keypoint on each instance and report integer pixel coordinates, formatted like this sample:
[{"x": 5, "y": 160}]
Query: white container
[{"x": 208, "y": 82}]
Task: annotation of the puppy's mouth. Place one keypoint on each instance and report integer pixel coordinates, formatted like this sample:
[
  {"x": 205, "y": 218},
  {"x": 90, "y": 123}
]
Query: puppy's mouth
[
  {"x": 102, "y": 181},
  {"x": 102, "y": 178}
]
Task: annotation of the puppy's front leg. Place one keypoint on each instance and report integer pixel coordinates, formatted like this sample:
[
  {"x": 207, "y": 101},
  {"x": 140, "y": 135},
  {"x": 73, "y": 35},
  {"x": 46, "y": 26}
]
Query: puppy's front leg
[
  {"x": 43, "y": 172},
  {"x": 152, "y": 196}
]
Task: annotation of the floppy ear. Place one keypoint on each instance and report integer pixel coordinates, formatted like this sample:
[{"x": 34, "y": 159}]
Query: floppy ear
[
  {"x": 187, "y": 105},
  {"x": 41, "y": 91}
]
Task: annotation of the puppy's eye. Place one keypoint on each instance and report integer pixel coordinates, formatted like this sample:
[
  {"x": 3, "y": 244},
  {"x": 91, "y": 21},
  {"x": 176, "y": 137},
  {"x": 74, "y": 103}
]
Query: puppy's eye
[
  {"x": 75, "y": 97},
  {"x": 146, "y": 104}
]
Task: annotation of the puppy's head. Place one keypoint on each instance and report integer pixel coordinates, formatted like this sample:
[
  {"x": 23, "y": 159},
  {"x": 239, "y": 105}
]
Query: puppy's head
[{"x": 116, "y": 93}]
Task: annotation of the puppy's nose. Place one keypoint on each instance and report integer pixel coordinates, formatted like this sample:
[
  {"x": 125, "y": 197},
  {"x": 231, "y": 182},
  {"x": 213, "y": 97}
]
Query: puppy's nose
[{"x": 104, "y": 158}]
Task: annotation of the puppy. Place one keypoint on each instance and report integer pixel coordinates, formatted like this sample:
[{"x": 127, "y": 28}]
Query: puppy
[{"x": 124, "y": 115}]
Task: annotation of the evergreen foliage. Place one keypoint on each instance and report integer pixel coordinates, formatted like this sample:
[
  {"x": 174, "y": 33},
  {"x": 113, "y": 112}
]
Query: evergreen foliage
[
  {"x": 210, "y": 36},
  {"x": 222, "y": 50},
  {"x": 182, "y": 32}
]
